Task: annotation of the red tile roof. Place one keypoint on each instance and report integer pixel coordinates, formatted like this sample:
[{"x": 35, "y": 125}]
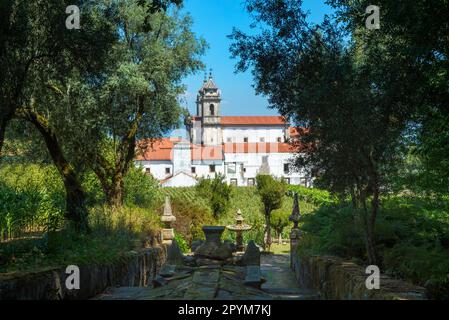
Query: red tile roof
[
  {"x": 156, "y": 150},
  {"x": 161, "y": 150},
  {"x": 253, "y": 120}
]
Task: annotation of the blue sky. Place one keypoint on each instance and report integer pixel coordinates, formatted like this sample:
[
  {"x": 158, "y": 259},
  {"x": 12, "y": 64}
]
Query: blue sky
[{"x": 213, "y": 20}]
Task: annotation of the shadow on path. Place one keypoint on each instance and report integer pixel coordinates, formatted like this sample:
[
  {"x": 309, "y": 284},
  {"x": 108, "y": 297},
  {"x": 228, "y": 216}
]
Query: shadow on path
[{"x": 281, "y": 281}]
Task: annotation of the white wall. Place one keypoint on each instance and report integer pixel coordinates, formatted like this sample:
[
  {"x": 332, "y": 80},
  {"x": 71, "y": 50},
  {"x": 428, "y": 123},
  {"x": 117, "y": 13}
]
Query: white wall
[
  {"x": 253, "y": 133},
  {"x": 157, "y": 168},
  {"x": 182, "y": 157},
  {"x": 212, "y": 136},
  {"x": 181, "y": 180},
  {"x": 202, "y": 168},
  {"x": 252, "y": 163}
]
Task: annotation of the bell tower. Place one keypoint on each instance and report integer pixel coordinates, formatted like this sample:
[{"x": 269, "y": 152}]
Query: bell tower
[{"x": 209, "y": 110}]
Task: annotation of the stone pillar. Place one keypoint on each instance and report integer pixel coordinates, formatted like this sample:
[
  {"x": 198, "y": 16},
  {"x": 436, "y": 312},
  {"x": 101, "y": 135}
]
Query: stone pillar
[
  {"x": 295, "y": 234},
  {"x": 167, "y": 233}
]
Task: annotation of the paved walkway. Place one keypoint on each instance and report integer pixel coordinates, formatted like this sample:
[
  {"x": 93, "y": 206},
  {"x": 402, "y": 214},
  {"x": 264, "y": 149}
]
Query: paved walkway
[
  {"x": 281, "y": 282},
  {"x": 221, "y": 283}
]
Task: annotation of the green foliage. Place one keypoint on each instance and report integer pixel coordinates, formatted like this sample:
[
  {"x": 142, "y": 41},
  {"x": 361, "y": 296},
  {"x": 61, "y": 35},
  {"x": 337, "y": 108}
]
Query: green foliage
[
  {"x": 279, "y": 220},
  {"x": 315, "y": 196},
  {"x": 113, "y": 234},
  {"x": 141, "y": 190},
  {"x": 31, "y": 200},
  {"x": 191, "y": 210},
  {"x": 433, "y": 151},
  {"x": 411, "y": 239},
  {"x": 271, "y": 192},
  {"x": 32, "y": 197},
  {"x": 218, "y": 192},
  {"x": 182, "y": 243},
  {"x": 365, "y": 95}
]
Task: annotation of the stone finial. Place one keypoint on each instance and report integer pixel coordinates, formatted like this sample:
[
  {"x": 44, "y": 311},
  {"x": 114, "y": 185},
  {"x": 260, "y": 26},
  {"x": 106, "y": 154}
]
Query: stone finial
[
  {"x": 296, "y": 213},
  {"x": 167, "y": 216}
]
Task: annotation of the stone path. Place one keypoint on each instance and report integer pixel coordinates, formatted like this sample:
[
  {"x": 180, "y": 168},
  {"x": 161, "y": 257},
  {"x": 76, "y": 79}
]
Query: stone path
[
  {"x": 221, "y": 283},
  {"x": 281, "y": 282},
  {"x": 203, "y": 283}
]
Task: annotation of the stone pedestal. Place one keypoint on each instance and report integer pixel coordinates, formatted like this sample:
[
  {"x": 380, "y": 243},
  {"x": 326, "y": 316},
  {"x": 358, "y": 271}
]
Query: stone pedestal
[
  {"x": 167, "y": 236},
  {"x": 295, "y": 236},
  {"x": 213, "y": 251}
]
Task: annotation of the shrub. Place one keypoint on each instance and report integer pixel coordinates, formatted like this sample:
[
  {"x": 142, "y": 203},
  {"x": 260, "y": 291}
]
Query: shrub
[
  {"x": 217, "y": 192},
  {"x": 182, "y": 243},
  {"x": 311, "y": 195},
  {"x": 271, "y": 192},
  {"x": 411, "y": 239},
  {"x": 31, "y": 200},
  {"x": 192, "y": 212},
  {"x": 113, "y": 233},
  {"x": 141, "y": 190}
]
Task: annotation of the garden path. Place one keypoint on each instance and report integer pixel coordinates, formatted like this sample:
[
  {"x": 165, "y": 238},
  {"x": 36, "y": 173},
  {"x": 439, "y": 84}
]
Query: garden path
[{"x": 222, "y": 283}]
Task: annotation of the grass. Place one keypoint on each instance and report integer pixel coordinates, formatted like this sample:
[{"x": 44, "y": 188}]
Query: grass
[
  {"x": 113, "y": 235},
  {"x": 280, "y": 248}
]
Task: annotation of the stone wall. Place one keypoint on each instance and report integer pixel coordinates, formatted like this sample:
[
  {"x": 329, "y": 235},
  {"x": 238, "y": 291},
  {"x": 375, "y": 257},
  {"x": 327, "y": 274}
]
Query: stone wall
[
  {"x": 132, "y": 269},
  {"x": 336, "y": 279}
]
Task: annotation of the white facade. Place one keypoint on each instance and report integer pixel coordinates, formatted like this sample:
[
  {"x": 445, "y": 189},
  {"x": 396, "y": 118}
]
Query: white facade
[
  {"x": 253, "y": 134},
  {"x": 237, "y": 147}
]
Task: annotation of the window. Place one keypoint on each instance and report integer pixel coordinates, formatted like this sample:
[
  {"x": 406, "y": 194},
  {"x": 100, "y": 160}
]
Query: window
[
  {"x": 251, "y": 182},
  {"x": 234, "y": 182},
  {"x": 229, "y": 139},
  {"x": 279, "y": 139},
  {"x": 167, "y": 170},
  {"x": 148, "y": 170},
  {"x": 231, "y": 168},
  {"x": 193, "y": 170},
  {"x": 286, "y": 168},
  {"x": 262, "y": 139},
  {"x": 245, "y": 139},
  {"x": 212, "y": 110},
  {"x": 286, "y": 180},
  {"x": 212, "y": 168},
  {"x": 303, "y": 182}
]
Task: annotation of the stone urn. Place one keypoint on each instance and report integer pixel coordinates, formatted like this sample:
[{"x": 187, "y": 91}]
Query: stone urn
[{"x": 213, "y": 249}]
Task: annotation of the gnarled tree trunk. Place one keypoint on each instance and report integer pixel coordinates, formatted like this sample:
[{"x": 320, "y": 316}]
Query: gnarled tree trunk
[
  {"x": 76, "y": 211},
  {"x": 112, "y": 176}
]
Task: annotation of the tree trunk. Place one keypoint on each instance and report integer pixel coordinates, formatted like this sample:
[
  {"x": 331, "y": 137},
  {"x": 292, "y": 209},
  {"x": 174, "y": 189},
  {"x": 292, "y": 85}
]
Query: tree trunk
[
  {"x": 76, "y": 211},
  {"x": 267, "y": 230},
  {"x": 115, "y": 194},
  {"x": 111, "y": 175},
  {"x": 3, "y": 123},
  {"x": 368, "y": 229},
  {"x": 111, "y": 182}
]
